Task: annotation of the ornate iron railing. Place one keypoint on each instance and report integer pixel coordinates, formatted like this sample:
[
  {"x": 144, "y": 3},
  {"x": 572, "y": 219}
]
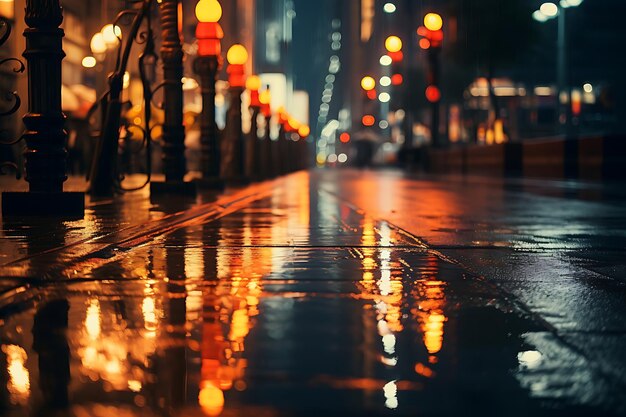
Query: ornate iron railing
[
  {"x": 106, "y": 176},
  {"x": 10, "y": 97}
]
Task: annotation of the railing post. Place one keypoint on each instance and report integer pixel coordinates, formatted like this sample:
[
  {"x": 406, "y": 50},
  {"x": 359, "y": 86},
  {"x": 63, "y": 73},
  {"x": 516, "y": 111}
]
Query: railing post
[
  {"x": 174, "y": 164},
  {"x": 206, "y": 68},
  {"x": 45, "y": 154}
]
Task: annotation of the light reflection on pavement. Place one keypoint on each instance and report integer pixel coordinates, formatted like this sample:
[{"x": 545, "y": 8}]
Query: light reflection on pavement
[{"x": 292, "y": 303}]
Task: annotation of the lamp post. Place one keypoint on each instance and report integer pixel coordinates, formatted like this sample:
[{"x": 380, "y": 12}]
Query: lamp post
[
  {"x": 209, "y": 34},
  {"x": 253, "y": 84},
  {"x": 174, "y": 166},
  {"x": 432, "y": 40},
  {"x": 237, "y": 56},
  {"x": 266, "y": 154},
  {"x": 45, "y": 153},
  {"x": 546, "y": 12}
]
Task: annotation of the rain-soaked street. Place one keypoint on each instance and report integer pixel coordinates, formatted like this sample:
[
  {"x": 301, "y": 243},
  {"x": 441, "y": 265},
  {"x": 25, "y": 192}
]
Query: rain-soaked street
[{"x": 342, "y": 292}]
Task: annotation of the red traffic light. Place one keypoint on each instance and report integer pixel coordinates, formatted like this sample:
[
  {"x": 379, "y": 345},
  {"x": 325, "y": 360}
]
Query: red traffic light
[
  {"x": 433, "y": 94},
  {"x": 368, "y": 120},
  {"x": 430, "y": 38}
]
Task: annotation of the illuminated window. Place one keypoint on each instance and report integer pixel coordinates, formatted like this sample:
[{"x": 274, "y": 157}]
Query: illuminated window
[
  {"x": 7, "y": 9},
  {"x": 367, "y": 19}
]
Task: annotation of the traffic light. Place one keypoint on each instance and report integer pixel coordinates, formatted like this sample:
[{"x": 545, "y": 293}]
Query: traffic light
[{"x": 393, "y": 44}]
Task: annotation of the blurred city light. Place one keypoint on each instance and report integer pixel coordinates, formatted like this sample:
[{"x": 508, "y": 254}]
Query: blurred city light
[
  {"x": 89, "y": 62},
  {"x": 396, "y": 79},
  {"x": 433, "y": 22},
  {"x": 384, "y": 97},
  {"x": 368, "y": 83},
  {"x": 97, "y": 44},
  {"x": 539, "y": 16},
  {"x": 385, "y": 81},
  {"x": 111, "y": 35},
  {"x": 368, "y": 120},
  {"x": 385, "y": 60},
  {"x": 389, "y": 8},
  {"x": 549, "y": 9},
  {"x": 253, "y": 83},
  {"x": 570, "y": 3},
  {"x": 209, "y": 11},
  {"x": 393, "y": 44},
  {"x": 237, "y": 55},
  {"x": 433, "y": 94}
]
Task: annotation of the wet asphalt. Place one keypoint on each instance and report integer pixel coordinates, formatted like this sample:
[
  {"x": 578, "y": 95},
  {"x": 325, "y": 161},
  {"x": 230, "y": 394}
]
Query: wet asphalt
[{"x": 339, "y": 292}]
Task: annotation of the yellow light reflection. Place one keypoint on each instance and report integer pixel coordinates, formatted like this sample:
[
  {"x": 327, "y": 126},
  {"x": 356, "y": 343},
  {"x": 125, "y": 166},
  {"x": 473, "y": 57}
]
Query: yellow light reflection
[
  {"x": 148, "y": 309},
  {"x": 430, "y": 293},
  {"x": 93, "y": 325},
  {"x": 19, "y": 377},
  {"x": 211, "y": 399}
]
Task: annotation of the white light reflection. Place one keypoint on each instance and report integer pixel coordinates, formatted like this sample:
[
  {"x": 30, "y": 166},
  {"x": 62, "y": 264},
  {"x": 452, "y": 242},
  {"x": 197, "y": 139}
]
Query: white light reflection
[
  {"x": 391, "y": 391},
  {"x": 530, "y": 359}
]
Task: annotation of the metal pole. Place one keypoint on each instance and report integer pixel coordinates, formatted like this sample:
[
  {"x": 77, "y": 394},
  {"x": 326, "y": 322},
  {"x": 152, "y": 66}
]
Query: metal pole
[
  {"x": 563, "y": 110},
  {"x": 267, "y": 147},
  {"x": 45, "y": 153},
  {"x": 253, "y": 151},
  {"x": 235, "y": 166},
  {"x": 174, "y": 166},
  {"x": 206, "y": 68},
  {"x": 433, "y": 55}
]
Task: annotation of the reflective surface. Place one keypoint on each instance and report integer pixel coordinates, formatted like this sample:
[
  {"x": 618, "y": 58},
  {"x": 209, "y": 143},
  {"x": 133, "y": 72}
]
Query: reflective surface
[{"x": 280, "y": 299}]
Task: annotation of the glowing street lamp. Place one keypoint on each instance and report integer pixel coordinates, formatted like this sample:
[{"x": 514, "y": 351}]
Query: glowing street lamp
[
  {"x": 546, "y": 12},
  {"x": 111, "y": 35},
  {"x": 206, "y": 65},
  {"x": 432, "y": 40},
  {"x": 433, "y": 22},
  {"x": 393, "y": 44},
  {"x": 368, "y": 83},
  {"x": 98, "y": 45}
]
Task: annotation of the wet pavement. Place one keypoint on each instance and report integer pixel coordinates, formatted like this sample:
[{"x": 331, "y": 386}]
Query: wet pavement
[{"x": 325, "y": 293}]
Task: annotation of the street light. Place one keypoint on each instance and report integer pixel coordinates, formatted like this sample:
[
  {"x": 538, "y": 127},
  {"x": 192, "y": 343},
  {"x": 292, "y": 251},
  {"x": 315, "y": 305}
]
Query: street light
[
  {"x": 98, "y": 45},
  {"x": 548, "y": 11},
  {"x": 393, "y": 44},
  {"x": 236, "y": 56},
  {"x": 89, "y": 62},
  {"x": 111, "y": 35},
  {"x": 431, "y": 41},
  {"x": 433, "y": 22},
  {"x": 368, "y": 83},
  {"x": 208, "y": 62}
]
